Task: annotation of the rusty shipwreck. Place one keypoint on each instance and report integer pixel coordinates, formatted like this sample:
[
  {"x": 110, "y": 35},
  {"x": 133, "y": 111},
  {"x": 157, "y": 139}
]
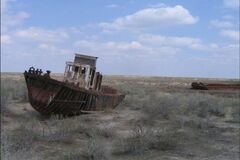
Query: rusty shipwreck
[
  {"x": 215, "y": 86},
  {"x": 80, "y": 91}
]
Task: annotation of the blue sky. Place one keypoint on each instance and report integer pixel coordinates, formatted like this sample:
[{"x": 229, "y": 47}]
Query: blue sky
[{"x": 187, "y": 38}]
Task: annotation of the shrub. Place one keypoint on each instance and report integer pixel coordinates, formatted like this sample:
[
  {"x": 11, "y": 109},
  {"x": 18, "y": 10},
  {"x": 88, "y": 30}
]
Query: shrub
[
  {"x": 236, "y": 114},
  {"x": 71, "y": 155},
  {"x": 159, "y": 107},
  {"x": 13, "y": 90},
  {"x": 137, "y": 143},
  {"x": 143, "y": 140},
  {"x": 95, "y": 131},
  {"x": 60, "y": 130},
  {"x": 205, "y": 105},
  {"x": 96, "y": 150},
  {"x": 4, "y": 97},
  {"x": 22, "y": 138}
]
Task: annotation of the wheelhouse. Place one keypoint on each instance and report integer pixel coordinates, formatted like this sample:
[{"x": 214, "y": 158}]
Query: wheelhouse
[{"x": 82, "y": 72}]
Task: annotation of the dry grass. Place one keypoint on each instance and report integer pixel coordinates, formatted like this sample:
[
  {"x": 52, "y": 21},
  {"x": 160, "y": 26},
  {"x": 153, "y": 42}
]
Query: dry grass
[
  {"x": 13, "y": 90},
  {"x": 96, "y": 150},
  {"x": 142, "y": 140},
  {"x": 160, "y": 118}
]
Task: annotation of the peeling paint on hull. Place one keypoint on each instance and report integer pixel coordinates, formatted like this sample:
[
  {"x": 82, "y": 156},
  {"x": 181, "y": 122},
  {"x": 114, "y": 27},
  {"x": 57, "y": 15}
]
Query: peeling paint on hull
[{"x": 49, "y": 96}]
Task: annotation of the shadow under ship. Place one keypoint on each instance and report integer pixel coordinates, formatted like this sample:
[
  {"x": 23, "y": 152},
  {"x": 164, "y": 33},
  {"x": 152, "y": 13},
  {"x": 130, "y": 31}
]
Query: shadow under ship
[{"x": 80, "y": 91}]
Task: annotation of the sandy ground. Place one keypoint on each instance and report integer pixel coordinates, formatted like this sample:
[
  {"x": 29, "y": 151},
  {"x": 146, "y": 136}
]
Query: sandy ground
[{"x": 218, "y": 139}]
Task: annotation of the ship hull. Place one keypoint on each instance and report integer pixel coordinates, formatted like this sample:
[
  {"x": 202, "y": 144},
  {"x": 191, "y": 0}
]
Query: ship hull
[{"x": 49, "y": 96}]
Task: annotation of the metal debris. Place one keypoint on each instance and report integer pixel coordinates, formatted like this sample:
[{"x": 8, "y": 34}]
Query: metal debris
[{"x": 215, "y": 86}]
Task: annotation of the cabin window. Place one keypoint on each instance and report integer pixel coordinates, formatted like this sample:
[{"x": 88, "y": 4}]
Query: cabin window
[
  {"x": 92, "y": 77},
  {"x": 70, "y": 68},
  {"x": 76, "y": 69},
  {"x": 83, "y": 70},
  {"x": 90, "y": 72}
]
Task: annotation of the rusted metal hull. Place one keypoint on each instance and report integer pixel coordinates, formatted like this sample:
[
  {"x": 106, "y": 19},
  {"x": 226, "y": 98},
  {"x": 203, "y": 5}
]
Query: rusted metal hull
[
  {"x": 49, "y": 96},
  {"x": 215, "y": 86}
]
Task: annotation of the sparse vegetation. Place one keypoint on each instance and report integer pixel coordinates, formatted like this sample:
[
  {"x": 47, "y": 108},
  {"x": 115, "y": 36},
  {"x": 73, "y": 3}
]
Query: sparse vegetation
[
  {"x": 96, "y": 150},
  {"x": 142, "y": 140},
  {"x": 13, "y": 90},
  {"x": 159, "y": 118}
]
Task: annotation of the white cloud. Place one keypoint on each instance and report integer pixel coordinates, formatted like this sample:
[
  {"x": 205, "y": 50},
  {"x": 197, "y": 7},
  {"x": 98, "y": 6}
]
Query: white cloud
[
  {"x": 152, "y": 18},
  {"x": 37, "y": 42},
  {"x": 221, "y": 24},
  {"x": 9, "y": 18},
  {"x": 158, "y": 5},
  {"x": 109, "y": 46},
  {"x": 227, "y": 52},
  {"x": 232, "y": 34},
  {"x": 158, "y": 46},
  {"x": 112, "y": 6},
  {"x": 15, "y": 19},
  {"x": 53, "y": 50},
  {"x": 40, "y": 34},
  {"x": 226, "y": 27},
  {"x": 124, "y": 49},
  {"x": 231, "y": 3},
  {"x": 123, "y": 46},
  {"x": 145, "y": 45},
  {"x": 228, "y": 17},
  {"x": 86, "y": 44},
  {"x": 159, "y": 40},
  {"x": 47, "y": 47},
  {"x": 5, "y": 39},
  {"x": 3, "y": 6}
]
